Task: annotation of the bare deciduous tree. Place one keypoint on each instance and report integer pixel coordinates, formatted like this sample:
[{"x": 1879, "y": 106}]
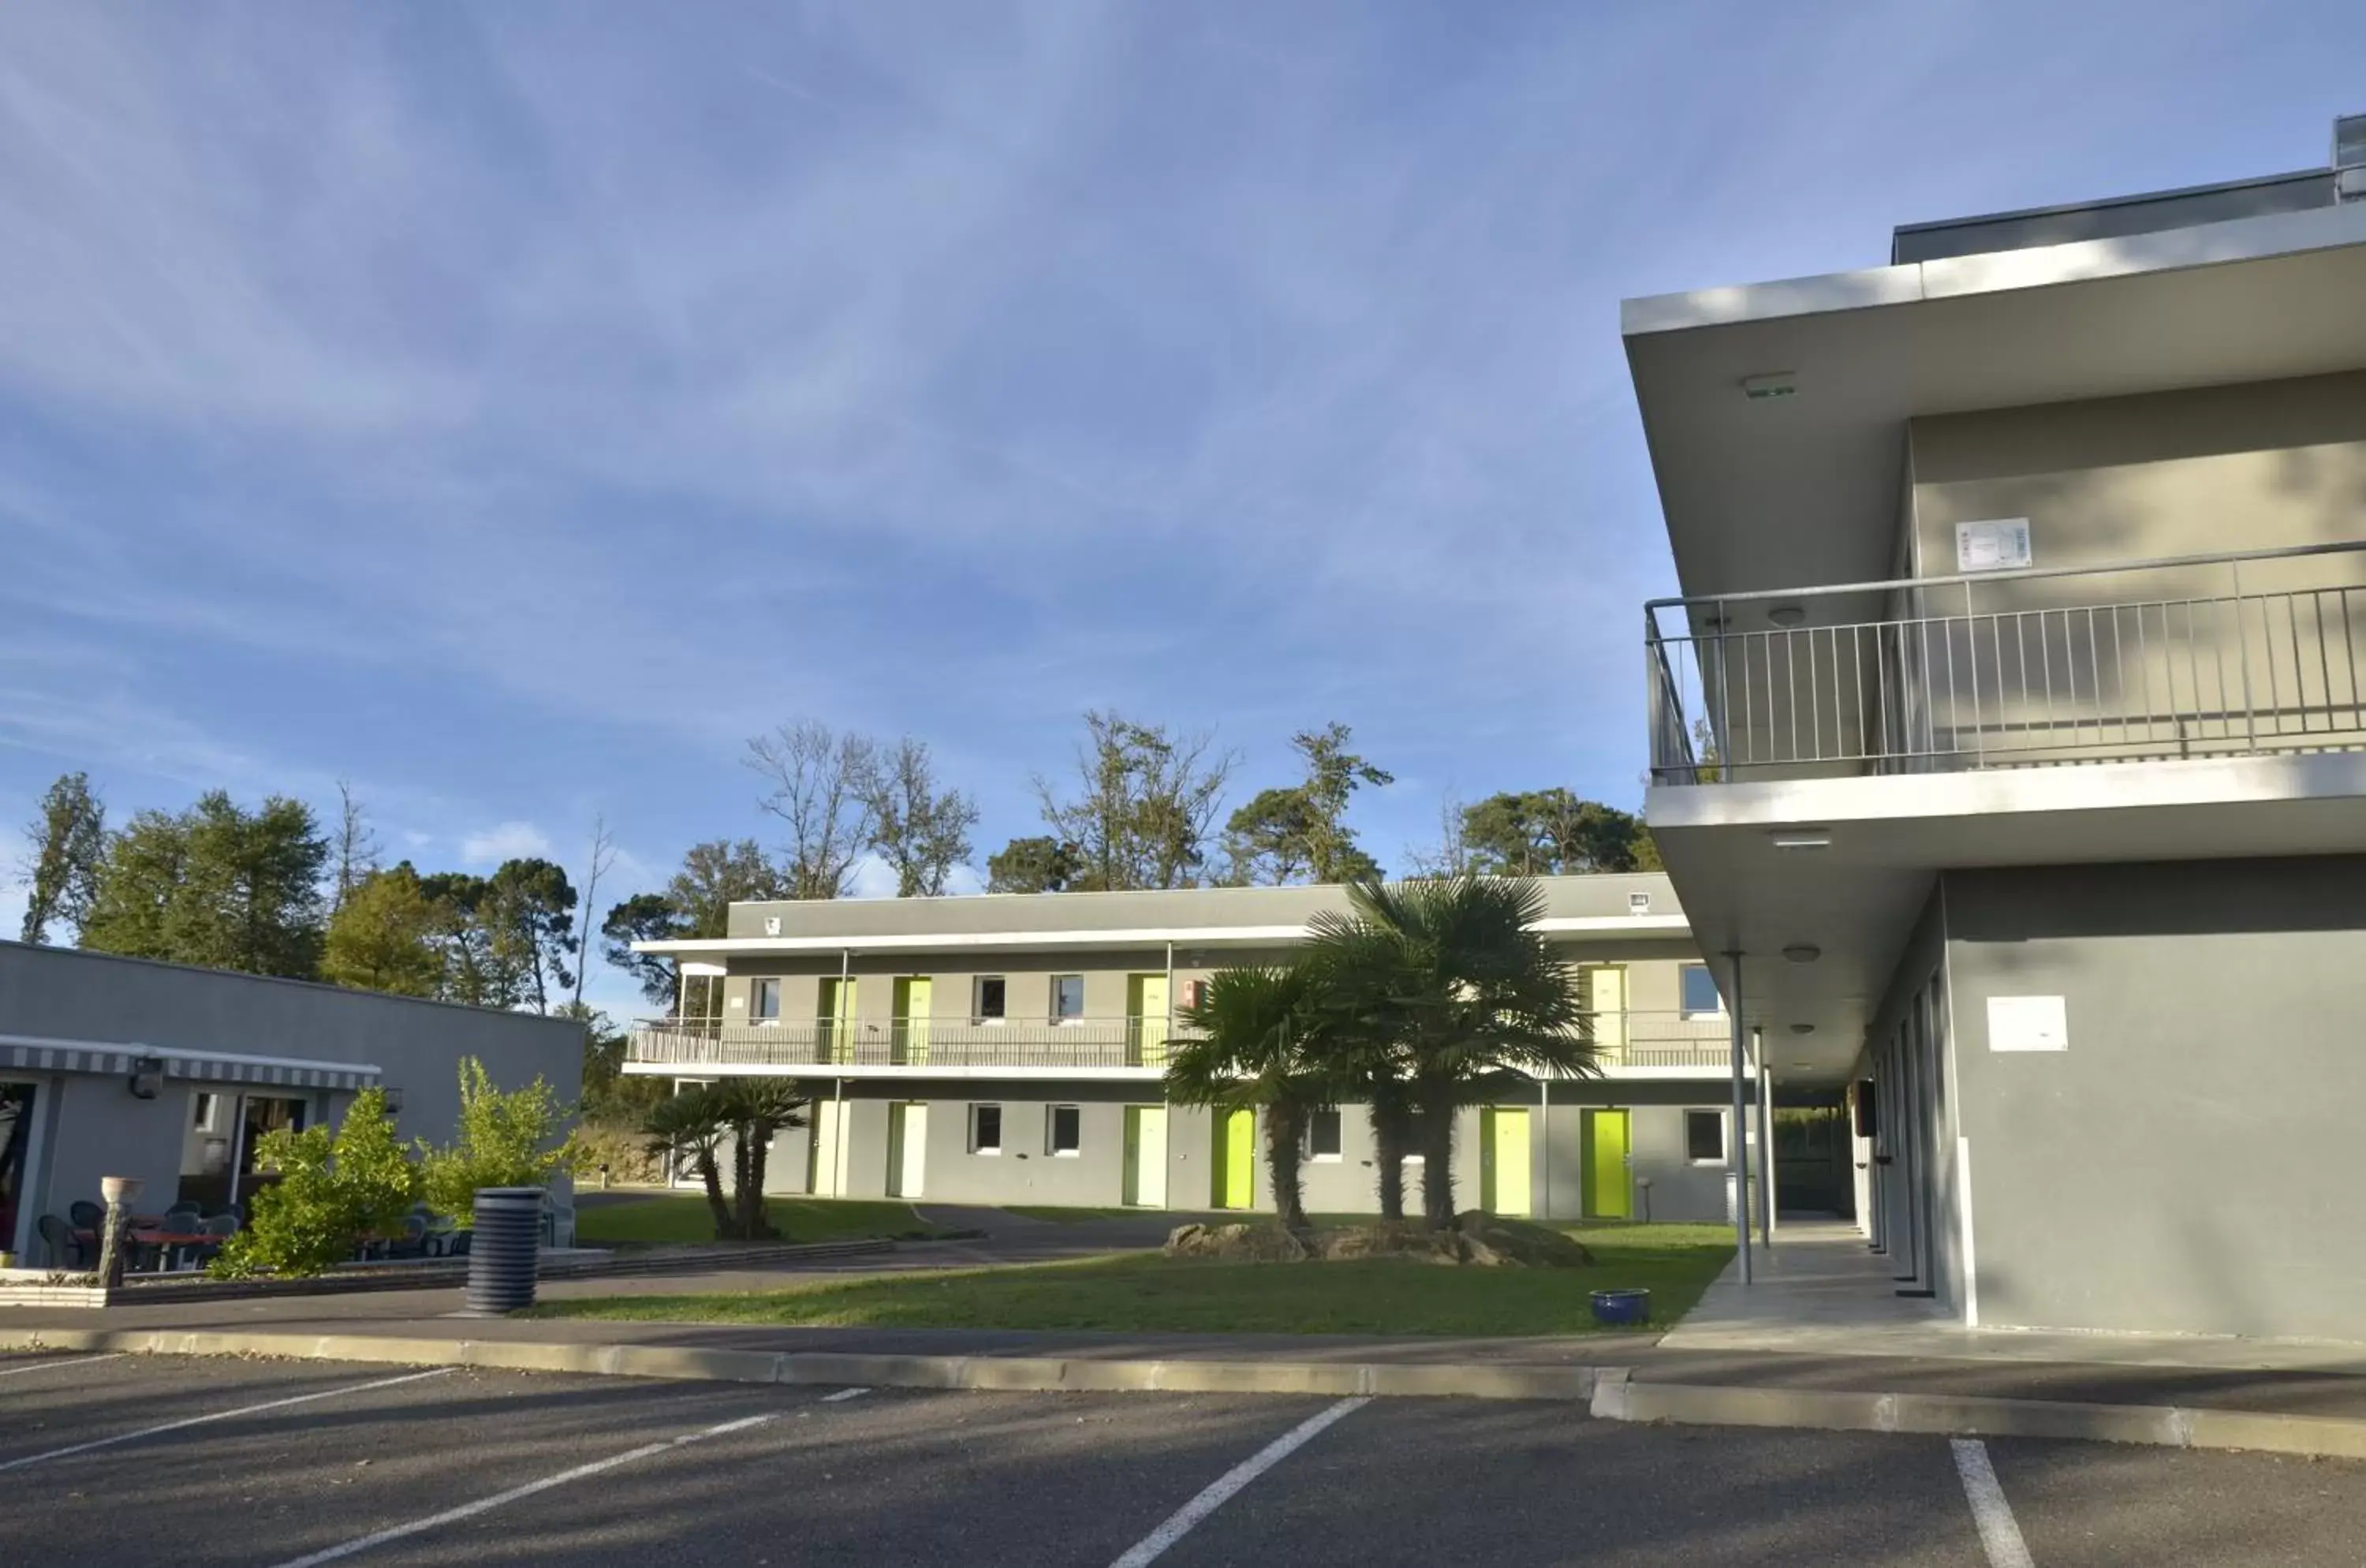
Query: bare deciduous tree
[
  {"x": 603, "y": 855},
  {"x": 919, "y": 826},
  {"x": 356, "y": 849},
  {"x": 820, "y": 782}
]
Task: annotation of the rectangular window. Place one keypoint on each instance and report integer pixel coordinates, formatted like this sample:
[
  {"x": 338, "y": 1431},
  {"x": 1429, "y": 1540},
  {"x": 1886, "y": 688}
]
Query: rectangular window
[
  {"x": 1705, "y": 1136},
  {"x": 1322, "y": 1135},
  {"x": 207, "y": 1106},
  {"x": 1700, "y": 998},
  {"x": 990, "y": 1001},
  {"x": 1067, "y": 997},
  {"x": 765, "y": 1002},
  {"x": 986, "y": 1129},
  {"x": 1063, "y": 1129}
]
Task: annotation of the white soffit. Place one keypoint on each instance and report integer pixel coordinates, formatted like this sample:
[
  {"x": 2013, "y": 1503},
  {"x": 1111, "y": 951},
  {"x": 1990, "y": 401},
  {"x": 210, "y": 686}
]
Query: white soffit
[
  {"x": 1181, "y": 936},
  {"x": 1803, "y": 490}
]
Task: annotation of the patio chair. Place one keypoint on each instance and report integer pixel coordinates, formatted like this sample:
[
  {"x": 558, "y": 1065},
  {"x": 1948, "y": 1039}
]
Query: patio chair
[
  {"x": 412, "y": 1243},
  {"x": 222, "y": 1227},
  {"x": 85, "y": 1216},
  {"x": 58, "y": 1241}
]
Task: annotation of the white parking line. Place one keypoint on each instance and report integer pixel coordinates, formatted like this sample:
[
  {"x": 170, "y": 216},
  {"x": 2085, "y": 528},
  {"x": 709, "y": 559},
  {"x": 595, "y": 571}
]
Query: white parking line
[
  {"x": 844, "y": 1393},
  {"x": 2000, "y": 1534},
  {"x": 217, "y": 1416},
  {"x": 486, "y": 1504},
  {"x": 76, "y": 1361},
  {"x": 1179, "y": 1523}
]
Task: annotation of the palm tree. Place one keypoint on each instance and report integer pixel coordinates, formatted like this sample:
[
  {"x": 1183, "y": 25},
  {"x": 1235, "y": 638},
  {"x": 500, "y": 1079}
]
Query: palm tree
[
  {"x": 689, "y": 1126},
  {"x": 754, "y": 1111},
  {"x": 1252, "y": 1043},
  {"x": 1436, "y": 989}
]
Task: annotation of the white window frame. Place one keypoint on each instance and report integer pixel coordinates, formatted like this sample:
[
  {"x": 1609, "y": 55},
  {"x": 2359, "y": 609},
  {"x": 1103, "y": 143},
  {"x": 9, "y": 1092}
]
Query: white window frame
[
  {"x": 1060, "y": 1018},
  {"x": 1686, "y": 1009},
  {"x": 1052, "y": 1135},
  {"x": 976, "y": 1147},
  {"x": 1724, "y": 1137},
  {"x": 1336, "y": 1154},
  {"x": 977, "y": 1013}
]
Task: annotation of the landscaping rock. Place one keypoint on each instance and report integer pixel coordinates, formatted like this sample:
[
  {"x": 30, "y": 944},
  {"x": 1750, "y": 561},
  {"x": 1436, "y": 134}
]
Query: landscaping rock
[
  {"x": 1261, "y": 1244},
  {"x": 1481, "y": 1241}
]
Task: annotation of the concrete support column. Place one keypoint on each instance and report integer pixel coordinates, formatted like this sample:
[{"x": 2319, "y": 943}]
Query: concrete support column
[
  {"x": 1739, "y": 1142},
  {"x": 1765, "y": 1145}
]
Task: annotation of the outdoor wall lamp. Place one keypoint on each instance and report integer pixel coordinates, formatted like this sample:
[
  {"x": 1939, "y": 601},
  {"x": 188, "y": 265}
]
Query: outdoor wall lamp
[
  {"x": 393, "y": 1097},
  {"x": 147, "y": 1077}
]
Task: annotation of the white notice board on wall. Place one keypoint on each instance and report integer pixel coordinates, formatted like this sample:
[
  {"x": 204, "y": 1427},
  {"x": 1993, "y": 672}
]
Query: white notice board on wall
[
  {"x": 2000, "y": 543},
  {"x": 2028, "y": 1023}
]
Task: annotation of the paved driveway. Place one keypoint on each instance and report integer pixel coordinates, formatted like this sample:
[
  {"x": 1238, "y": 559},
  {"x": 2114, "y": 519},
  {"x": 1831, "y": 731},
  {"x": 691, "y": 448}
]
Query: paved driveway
[{"x": 126, "y": 1461}]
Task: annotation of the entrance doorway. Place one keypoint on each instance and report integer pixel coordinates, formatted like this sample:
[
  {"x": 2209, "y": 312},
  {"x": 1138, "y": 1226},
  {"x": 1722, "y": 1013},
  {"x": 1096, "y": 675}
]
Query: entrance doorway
[
  {"x": 910, "y": 1044},
  {"x": 907, "y": 1148},
  {"x": 1146, "y": 1015},
  {"x": 1609, "y": 1179},
  {"x": 16, "y": 1150},
  {"x": 1146, "y": 1155},
  {"x": 1234, "y": 1162},
  {"x": 1504, "y": 1161}
]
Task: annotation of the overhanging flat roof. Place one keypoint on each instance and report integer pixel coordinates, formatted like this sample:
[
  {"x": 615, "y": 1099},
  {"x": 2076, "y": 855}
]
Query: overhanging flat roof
[
  {"x": 1089, "y": 938},
  {"x": 1804, "y": 489}
]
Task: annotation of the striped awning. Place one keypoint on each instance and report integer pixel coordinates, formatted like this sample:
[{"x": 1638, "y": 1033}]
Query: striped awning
[{"x": 37, "y": 1056}]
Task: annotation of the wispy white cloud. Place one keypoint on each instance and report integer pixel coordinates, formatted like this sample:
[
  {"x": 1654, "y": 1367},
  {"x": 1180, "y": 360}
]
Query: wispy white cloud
[{"x": 505, "y": 841}]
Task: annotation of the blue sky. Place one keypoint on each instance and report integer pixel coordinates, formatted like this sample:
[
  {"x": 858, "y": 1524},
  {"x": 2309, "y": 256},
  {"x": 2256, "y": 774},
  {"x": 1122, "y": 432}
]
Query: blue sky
[{"x": 510, "y": 409}]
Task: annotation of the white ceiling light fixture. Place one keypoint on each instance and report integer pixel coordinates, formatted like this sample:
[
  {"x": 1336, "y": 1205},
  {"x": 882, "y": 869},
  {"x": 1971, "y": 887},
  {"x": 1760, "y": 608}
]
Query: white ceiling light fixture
[
  {"x": 1773, "y": 385},
  {"x": 1803, "y": 953},
  {"x": 1802, "y": 837},
  {"x": 1786, "y": 614},
  {"x": 1803, "y": 1028},
  {"x": 1803, "y": 1067}
]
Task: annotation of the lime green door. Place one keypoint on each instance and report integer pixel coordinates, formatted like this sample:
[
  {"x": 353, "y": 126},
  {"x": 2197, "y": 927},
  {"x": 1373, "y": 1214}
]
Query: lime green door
[
  {"x": 1504, "y": 1161},
  {"x": 836, "y": 1019},
  {"x": 1146, "y": 1011},
  {"x": 911, "y": 1038},
  {"x": 1609, "y": 1184},
  {"x": 1233, "y": 1162}
]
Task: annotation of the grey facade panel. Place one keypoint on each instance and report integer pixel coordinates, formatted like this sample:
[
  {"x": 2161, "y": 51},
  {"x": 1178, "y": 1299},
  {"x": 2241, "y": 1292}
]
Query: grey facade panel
[
  {"x": 1210, "y": 907},
  {"x": 2150, "y": 214},
  {"x": 2182, "y": 1166}
]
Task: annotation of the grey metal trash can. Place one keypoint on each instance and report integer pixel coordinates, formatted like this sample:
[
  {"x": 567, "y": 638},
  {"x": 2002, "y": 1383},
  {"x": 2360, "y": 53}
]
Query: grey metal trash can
[{"x": 502, "y": 1259}]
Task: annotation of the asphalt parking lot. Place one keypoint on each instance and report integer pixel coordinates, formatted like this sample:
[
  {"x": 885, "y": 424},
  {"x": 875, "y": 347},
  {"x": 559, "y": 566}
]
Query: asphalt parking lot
[{"x": 128, "y": 1459}]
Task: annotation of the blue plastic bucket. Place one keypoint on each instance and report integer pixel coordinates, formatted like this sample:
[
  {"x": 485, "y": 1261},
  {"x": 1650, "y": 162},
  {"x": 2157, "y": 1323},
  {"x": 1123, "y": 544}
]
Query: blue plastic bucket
[{"x": 1622, "y": 1307}]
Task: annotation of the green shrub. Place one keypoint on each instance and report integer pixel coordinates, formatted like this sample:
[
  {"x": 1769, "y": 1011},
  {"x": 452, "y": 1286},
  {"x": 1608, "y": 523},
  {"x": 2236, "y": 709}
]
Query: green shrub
[
  {"x": 506, "y": 1138},
  {"x": 331, "y": 1190}
]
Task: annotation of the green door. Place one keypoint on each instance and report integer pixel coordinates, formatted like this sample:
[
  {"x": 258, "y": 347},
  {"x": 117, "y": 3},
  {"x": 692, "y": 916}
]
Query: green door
[
  {"x": 1146, "y": 1007},
  {"x": 910, "y": 1042},
  {"x": 837, "y": 1020},
  {"x": 1609, "y": 1185},
  {"x": 1233, "y": 1159},
  {"x": 1504, "y": 1161}
]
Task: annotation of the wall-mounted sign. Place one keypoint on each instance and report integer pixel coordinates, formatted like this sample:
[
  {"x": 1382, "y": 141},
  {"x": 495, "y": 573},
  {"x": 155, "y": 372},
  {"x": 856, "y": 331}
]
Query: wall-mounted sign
[
  {"x": 2028, "y": 1023},
  {"x": 2000, "y": 543}
]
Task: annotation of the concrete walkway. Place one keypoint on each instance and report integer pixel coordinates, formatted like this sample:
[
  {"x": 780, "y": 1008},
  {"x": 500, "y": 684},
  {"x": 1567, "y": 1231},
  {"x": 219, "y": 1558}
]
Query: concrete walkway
[{"x": 1820, "y": 1293}]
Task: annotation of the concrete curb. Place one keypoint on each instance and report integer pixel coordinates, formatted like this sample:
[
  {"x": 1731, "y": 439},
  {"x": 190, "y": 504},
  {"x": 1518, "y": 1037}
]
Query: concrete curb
[{"x": 1609, "y": 1393}]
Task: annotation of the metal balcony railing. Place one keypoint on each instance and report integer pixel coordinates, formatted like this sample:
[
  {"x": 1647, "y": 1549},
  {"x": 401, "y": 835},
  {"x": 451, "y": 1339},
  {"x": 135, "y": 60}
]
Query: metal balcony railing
[
  {"x": 917, "y": 1043},
  {"x": 2213, "y": 655},
  {"x": 1633, "y": 1039}
]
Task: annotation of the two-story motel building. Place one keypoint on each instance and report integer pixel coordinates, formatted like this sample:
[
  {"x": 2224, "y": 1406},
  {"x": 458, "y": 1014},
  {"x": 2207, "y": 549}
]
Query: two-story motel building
[
  {"x": 1007, "y": 1048},
  {"x": 2008, "y": 740}
]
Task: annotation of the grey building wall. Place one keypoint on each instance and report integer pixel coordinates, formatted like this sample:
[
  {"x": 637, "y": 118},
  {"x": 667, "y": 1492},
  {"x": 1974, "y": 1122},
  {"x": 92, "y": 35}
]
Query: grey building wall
[
  {"x": 95, "y": 1127},
  {"x": 2184, "y": 1165},
  {"x": 1026, "y": 1172}
]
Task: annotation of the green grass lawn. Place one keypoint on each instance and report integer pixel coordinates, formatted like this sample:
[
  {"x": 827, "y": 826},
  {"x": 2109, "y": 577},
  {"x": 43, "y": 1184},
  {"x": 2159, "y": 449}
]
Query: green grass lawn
[
  {"x": 677, "y": 1217},
  {"x": 1147, "y": 1293}
]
